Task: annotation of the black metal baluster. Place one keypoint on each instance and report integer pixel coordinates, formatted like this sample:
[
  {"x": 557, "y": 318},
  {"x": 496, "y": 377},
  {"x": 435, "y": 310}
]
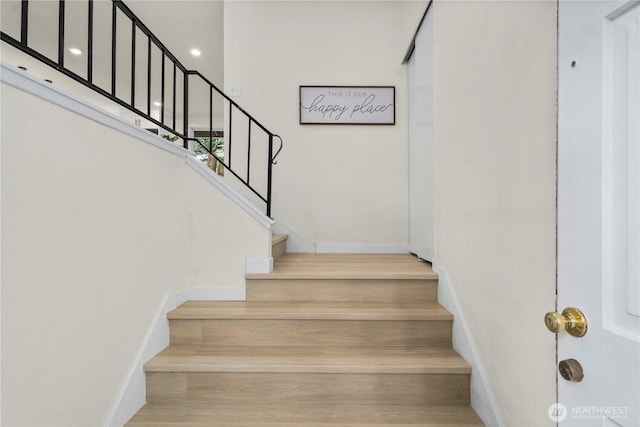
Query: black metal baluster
[
  {"x": 174, "y": 96},
  {"x": 148, "y": 76},
  {"x": 211, "y": 119},
  {"x": 162, "y": 91},
  {"x": 133, "y": 63},
  {"x": 185, "y": 111},
  {"x": 230, "y": 128},
  {"x": 114, "y": 16},
  {"x": 90, "y": 43},
  {"x": 249, "y": 151},
  {"x": 61, "y": 33},
  {"x": 269, "y": 169},
  {"x": 24, "y": 22}
]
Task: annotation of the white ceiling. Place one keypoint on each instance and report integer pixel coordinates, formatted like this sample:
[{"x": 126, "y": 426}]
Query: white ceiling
[{"x": 182, "y": 25}]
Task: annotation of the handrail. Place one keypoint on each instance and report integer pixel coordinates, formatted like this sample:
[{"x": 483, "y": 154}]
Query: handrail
[
  {"x": 226, "y": 97},
  {"x": 168, "y": 122},
  {"x": 226, "y": 166},
  {"x": 273, "y": 158}
]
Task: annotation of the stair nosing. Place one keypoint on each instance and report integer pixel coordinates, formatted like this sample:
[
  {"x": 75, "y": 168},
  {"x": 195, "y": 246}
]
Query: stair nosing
[
  {"x": 325, "y": 275},
  {"x": 444, "y": 317},
  {"x": 318, "y": 369},
  {"x": 206, "y": 409},
  {"x": 355, "y": 361},
  {"x": 311, "y": 311}
]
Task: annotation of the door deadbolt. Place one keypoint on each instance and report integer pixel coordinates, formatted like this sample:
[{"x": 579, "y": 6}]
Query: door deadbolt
[
  {"x": 571, "y": 370},
  {"x": 571, "y": 320}
]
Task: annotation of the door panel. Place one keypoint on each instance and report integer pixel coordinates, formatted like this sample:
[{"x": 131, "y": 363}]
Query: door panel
[
  {"x": 598, "y": 209},
  {"x": 620, "y": 171}
]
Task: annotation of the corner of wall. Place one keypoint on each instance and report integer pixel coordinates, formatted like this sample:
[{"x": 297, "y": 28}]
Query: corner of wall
[
  {"x": 133, "y": 395},
  {"x": 296, "y": 242},
  {"x": 482, "y": 398}
]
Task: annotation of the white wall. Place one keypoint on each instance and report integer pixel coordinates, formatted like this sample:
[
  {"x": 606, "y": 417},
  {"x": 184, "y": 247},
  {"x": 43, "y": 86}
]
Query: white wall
[
  {"x": 420, "y": 77},
  {"x": 495, "y": 158},
  {"x": 98, "y": 228},
  {"x": 340, "y": 185}
]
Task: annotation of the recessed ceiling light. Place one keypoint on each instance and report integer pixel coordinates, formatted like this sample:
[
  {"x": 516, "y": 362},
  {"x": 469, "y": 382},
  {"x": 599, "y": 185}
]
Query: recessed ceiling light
[
  {"x": 157, "y": 104},
  {"x": 75, "y": 51},
  {"x": 196, "y": 52}
]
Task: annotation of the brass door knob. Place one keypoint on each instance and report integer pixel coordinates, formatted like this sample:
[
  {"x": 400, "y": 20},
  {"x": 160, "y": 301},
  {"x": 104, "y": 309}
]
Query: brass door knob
[
  {"x": 571, "y": 370},
  {"x": 571, "y": 320}
]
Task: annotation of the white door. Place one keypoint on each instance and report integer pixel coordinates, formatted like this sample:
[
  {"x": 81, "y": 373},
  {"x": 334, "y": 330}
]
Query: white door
[
  {"x": 598, "y": 209},
  {"x": 420, "y": 79}
]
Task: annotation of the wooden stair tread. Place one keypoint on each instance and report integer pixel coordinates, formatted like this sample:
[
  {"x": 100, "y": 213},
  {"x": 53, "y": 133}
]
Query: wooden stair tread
[
  {"x": 407, "y": 360},
  {"x": 351, "y": 340},
  {"x": 251, "y": 414},
  {"x": 194, "y": 310},
  {"x": 348, "y": 266},
  {"x": 277, "y": 238}
]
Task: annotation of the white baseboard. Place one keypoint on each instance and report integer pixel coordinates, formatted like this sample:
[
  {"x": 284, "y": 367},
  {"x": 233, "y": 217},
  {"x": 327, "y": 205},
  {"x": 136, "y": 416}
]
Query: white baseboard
[
  {"x": 360, "y": 248},
  {"x": 260, "y": 265},
  {"x": 134, "y": 394},
  {"x": 482, "y": 399},
  {"x": 297, "y": 243}
]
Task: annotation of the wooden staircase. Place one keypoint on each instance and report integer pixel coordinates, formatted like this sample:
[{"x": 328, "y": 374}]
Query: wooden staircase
[{"x": 325, "y": 339}]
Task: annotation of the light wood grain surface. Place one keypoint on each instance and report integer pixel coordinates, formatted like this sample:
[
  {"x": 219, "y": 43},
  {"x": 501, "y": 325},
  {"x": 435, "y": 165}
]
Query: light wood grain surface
[
  {"x": 278, "y": 245},
  {"x": 323, "y": 388},
  {"x": 347, "y": 266},
  {"x": 309, "y": 310},
  {"x": 309, "y": 359},
  {"x": 349, "y": 332},
  {"x": 343, "y": 290},
  {"x": 304, "y": 415},
  {"x": 324, "y": 340}
]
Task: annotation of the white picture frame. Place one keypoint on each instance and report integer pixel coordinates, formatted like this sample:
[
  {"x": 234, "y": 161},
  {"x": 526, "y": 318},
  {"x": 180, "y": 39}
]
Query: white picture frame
[{"x": 347, "y": 105}]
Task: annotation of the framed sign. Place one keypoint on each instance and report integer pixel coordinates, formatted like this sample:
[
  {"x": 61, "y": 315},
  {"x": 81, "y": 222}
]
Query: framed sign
[{"x": 347, "y": 105}]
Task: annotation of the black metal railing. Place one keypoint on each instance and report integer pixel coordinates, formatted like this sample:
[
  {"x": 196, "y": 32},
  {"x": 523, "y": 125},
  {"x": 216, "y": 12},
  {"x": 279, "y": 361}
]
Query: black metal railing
[{"x": 169, "y": 83}]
